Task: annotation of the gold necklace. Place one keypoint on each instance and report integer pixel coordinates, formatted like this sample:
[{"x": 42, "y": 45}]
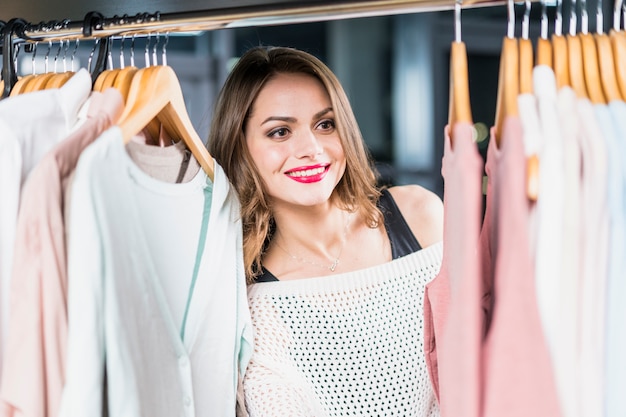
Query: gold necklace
[{"x": 334, "y": 264}]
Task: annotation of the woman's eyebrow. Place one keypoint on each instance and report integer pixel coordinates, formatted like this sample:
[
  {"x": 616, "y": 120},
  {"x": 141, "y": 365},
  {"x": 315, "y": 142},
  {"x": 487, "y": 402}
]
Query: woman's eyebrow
[{"x": 280, "y": 118}]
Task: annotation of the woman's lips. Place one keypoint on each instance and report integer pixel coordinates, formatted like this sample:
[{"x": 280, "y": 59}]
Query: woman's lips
[{"x": 308, "y": 174}]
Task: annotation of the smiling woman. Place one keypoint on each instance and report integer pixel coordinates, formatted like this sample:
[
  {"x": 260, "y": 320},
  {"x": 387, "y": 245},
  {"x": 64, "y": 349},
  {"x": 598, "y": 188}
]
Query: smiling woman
[
  {"x": 337, "y": 267},
  {"x": 297, "y": 150}
]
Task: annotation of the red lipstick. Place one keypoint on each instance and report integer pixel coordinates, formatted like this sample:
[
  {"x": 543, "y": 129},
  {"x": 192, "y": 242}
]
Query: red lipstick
[{"x": 308, "y": 174}]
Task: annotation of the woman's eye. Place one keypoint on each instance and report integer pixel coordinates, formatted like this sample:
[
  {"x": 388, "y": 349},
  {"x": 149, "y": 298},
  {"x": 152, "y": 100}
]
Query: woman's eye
[
  {"x": 327, "y": 124},
  {"x": 281, "y": 132}
]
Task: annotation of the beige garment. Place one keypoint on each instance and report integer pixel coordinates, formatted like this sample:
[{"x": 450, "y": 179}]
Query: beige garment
[
  {"x": 158, "y": 161},
  {"x": 34, "y": 371}
]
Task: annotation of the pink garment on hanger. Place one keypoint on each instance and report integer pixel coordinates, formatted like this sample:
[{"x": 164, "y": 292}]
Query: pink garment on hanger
[
  {"x": 518, "y": 377},
  {"x": 34, "y": 363},
  {"x": 459, "y": 348}
]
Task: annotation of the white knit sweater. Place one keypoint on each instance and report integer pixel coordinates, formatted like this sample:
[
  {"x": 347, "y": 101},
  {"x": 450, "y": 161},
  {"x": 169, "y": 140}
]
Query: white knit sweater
[{"x": 344, "y": 345}]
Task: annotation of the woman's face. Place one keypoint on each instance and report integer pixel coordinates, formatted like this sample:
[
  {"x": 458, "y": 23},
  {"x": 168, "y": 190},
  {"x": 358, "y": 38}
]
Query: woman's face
[{"x": 293, "y": 140}]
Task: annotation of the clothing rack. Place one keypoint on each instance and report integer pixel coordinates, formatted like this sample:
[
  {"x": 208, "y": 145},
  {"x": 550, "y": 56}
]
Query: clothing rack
[{"x": 96, "y": 25}]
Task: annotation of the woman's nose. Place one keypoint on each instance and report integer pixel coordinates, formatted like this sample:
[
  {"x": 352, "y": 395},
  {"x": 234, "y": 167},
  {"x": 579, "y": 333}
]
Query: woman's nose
[{"x": 308, "y": 145}]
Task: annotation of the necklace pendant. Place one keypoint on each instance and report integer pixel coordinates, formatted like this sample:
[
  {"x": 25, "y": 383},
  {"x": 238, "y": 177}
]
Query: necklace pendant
[{"x": 334, "y": 265}]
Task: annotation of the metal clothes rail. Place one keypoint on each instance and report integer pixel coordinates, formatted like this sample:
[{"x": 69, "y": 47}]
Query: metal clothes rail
[{"x": 259, "y": 15}]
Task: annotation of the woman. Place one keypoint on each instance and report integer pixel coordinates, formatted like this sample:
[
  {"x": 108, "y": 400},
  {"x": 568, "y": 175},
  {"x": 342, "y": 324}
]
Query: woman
[{"x": 337, "y": 267}]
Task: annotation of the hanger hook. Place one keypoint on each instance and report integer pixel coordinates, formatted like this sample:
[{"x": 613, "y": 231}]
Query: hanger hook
[
  {"x": 122, "y": 63},
  {"x": 45, "y": 60},
  {"x": 65, "y": 49},
  {"x": 146, "y": 53},
  {"x": 58, "y": 54},
  {"x": 584, "y": 17},
  {"x": 558, "y": 20},
  {"x": 573, "y": 18},
  {"x": 33, "y": 58},
  {"x": 74, "y": 55},
  {"x": 16, "y": 53},
  {"x": 110, "y": 57},
  {"x": 544, "y": 20},
  {"x": 132, "y": 50},
  {"x": 526, "y": 20},
  {"x": 93, "y": 50},
  {"x": 154, "y": 50},
  {"x": 510, "y": 33},
  {"x": 164, "y": 48},
  {"x": 457, "y": 20},
  {"x": 617, "y": 14},
  {"x": 599, "y": 18}
]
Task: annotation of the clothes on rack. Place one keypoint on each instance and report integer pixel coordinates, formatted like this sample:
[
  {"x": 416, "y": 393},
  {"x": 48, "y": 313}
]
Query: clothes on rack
[
  {"x": 459, "y": 363},
  {"x": 23, "y": 143},
  {"x": 514, "y": 350},
  {"x": 128, "y": 293},
  {"x": 120, "y": 268},
  {"x": 551, "y": 268},
  {"x": 34, "y": 359}
]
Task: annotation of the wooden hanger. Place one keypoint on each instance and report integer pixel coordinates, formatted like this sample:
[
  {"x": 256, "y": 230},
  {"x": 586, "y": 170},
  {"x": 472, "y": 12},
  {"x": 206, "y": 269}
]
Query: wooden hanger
[
  {"x": 155, "y": 92},
  {"x": 560, "y": 51},
  {"x": 526, "y": 63},
  {"x": 606, "y": 62},
  {"x": 100, "y": 80},
  {"x": 460, "y": 107},
  {"x": 544, "y": 52},
  {"x": 575, "y": 57},
  {"x": 18, "y": 88},
  {"x": 59, "y": 79},
  {"x": 38, "y": 82},
  {"x": 576, "y": 69},
  {"x": 591, "y": 67},
  {"x": 124, "y": 79},
  {"x": 561, "y": 61},
  {"x": 508, "y": 77}
]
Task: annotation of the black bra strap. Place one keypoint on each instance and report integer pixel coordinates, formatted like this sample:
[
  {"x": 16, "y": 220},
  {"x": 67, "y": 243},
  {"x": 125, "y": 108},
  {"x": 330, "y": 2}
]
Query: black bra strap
[{"x": 403, "y": 241}]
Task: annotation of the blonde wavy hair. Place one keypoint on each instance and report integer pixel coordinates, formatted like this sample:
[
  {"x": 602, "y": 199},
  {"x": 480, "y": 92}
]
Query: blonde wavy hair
[{"x": 356, "y": 191}]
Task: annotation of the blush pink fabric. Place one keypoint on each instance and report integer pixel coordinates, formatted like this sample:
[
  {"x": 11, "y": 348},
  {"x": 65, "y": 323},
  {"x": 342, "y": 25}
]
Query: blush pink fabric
[
  {"x": 34, "y": 363},
  {"x": 454, "y": 319},
  {"x": 460, "y": 346},
  {"x": 518, "y": 376}
]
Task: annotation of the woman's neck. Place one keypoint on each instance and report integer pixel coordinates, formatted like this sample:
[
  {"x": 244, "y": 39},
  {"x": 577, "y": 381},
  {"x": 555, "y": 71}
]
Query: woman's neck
[{"x": 314, "y": 231}]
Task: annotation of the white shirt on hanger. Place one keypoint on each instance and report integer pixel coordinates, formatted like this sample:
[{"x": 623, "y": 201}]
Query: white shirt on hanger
[
  {"x": 550, "y": 207},
  {"x": 572, "y": 260},
  {"x": 595, "y": 252},
  {"x": 615, "y": 364},
  {"x": 119, "y": 316},
  {"x": 30, "y": 125},
  {"x": 604, "y": 356}
]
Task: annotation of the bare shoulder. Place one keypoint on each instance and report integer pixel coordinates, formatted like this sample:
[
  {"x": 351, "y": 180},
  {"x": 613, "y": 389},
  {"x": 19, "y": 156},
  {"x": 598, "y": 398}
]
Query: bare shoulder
[{"x": 423, "y": 211}]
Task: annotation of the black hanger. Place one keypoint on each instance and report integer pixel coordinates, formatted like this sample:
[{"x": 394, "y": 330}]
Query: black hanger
[
  {"x": 95, "y": 20},
  {"x": 9, "y": 72}
]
